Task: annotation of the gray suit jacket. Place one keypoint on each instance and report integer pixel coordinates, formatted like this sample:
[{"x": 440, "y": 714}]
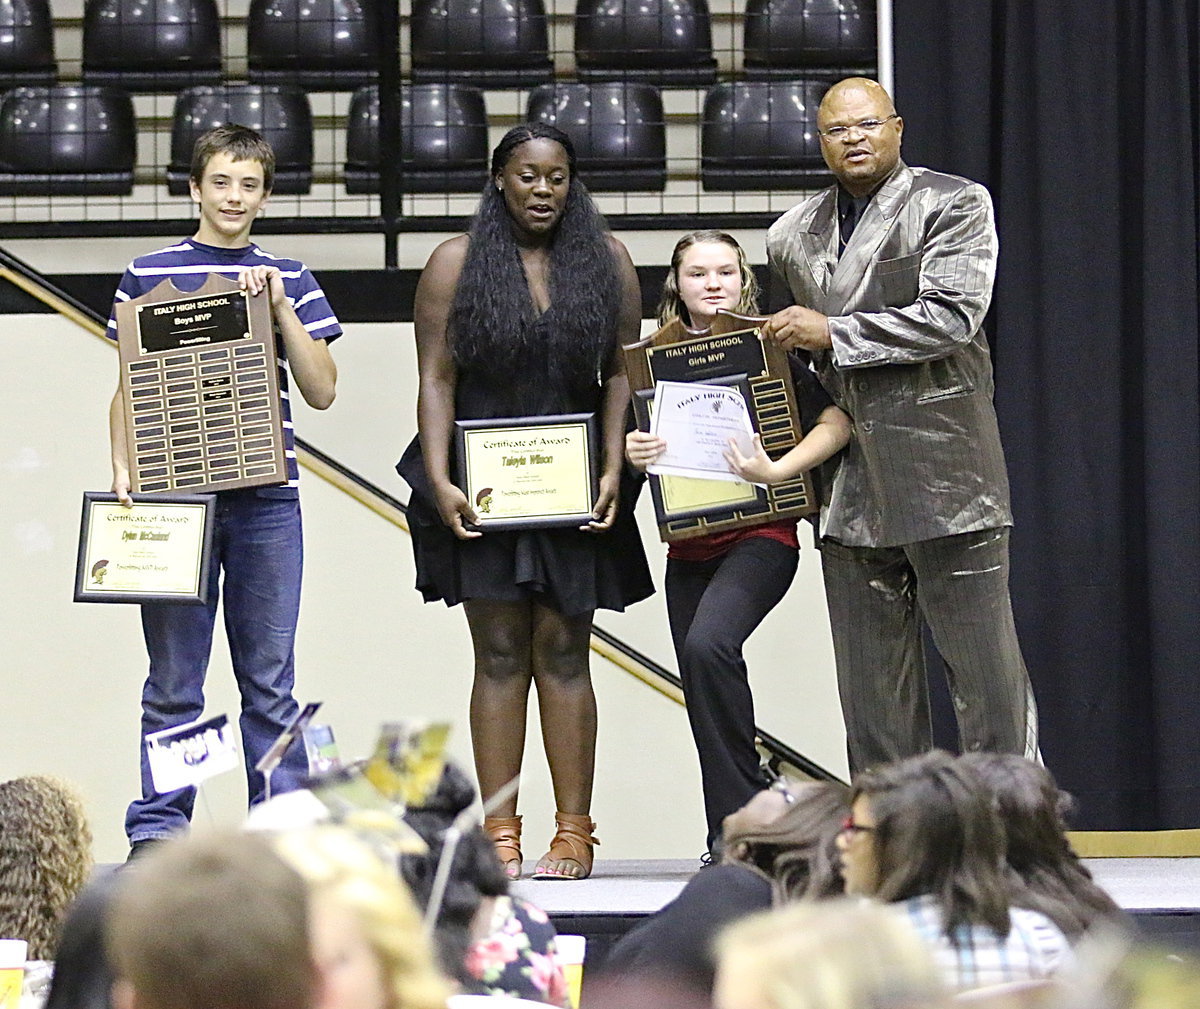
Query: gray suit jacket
[{"x": 910, "y": 361}]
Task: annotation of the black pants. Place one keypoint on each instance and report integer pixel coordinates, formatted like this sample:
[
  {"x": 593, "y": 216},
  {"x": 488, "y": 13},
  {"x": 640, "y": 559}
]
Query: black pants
[{"x": 714, "y": 607}]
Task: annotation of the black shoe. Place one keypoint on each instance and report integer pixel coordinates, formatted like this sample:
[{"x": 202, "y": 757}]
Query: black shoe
[{"x": 139, "y": 848}]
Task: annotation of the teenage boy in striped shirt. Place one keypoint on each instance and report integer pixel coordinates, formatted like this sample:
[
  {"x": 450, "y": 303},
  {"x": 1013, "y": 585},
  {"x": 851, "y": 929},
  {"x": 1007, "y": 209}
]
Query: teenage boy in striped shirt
[{"x": 257, "y": 539}]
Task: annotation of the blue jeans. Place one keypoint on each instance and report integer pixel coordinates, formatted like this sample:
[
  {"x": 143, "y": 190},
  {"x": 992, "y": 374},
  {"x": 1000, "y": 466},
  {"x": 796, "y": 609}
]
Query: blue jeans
[{"x": 257, "y": 542}]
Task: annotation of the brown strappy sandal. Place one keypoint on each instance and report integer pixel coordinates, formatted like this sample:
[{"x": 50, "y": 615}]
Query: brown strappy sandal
[
  {"x": 505, "y": 834},
  {"x": 573, "y": 841}
]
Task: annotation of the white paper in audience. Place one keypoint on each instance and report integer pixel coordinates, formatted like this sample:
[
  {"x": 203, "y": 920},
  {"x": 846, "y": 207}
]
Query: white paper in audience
[{"x": 188, "y": 754}]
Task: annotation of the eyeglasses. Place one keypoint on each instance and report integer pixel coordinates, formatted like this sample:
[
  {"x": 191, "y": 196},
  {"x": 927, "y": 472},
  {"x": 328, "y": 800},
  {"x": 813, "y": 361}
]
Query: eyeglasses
[
  {"x": 862, "y": 126},
  {"x": 852, "y": 828}
]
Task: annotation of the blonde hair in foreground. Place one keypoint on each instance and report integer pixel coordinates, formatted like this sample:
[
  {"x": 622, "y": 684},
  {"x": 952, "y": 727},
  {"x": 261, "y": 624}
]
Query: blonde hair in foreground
[
  {"x": 339, "y": 866},
  {"x": 837, "y": 954}
]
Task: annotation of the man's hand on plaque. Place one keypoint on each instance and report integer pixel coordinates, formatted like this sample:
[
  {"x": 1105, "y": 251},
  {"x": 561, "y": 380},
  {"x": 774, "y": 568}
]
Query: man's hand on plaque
[
  {"x": 456, "y": 511},
  {"x": 605, "y": 512},
  {"x": 797, "y": 326}
]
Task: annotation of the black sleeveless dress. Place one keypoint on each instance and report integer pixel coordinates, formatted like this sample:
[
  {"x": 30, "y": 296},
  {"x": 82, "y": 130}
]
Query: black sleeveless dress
[{"x": 567, "y": 569}]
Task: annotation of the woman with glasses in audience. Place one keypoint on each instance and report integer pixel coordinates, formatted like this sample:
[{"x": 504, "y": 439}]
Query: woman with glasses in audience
[
  {"x": 721, "y": 586},
  {"x": 924, "y": 835}
]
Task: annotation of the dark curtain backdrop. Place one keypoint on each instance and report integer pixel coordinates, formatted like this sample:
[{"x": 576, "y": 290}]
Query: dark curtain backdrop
[{"x": 1081, "y": 117}]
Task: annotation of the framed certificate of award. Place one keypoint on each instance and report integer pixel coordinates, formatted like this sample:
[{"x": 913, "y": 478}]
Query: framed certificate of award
[
  {"x": 158, "y": 550},
  {"x": 200, "y": 379},
  {"x": 529, "y": 472},
  {"x": 730, "y": 353}
]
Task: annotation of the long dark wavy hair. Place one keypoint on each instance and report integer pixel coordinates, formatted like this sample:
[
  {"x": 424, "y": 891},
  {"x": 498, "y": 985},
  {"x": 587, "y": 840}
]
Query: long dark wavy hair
[
  {"x": 493, "y": 319},
  {"x": 1050, "y": 877},
  {"x": 938, "y": 833}
]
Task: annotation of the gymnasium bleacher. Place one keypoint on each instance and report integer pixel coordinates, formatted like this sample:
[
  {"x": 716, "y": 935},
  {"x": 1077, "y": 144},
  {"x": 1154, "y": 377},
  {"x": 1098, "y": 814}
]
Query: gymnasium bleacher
[{"x": 682, "y": 110}]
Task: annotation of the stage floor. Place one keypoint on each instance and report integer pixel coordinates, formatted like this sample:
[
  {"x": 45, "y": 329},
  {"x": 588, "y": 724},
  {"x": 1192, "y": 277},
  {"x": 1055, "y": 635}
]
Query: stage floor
[{"x": 636, "y": 888}]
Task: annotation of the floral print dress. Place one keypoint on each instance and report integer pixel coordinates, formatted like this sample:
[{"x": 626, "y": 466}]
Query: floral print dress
[{"x": 518, "y": 956}]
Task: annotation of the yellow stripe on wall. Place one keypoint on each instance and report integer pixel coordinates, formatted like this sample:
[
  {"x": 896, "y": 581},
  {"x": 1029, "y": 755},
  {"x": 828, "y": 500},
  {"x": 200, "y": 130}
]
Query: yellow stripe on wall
[{"x": 1136, "y": 843}]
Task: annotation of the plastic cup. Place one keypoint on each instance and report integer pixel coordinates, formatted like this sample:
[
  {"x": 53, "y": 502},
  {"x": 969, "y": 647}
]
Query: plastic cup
[
  {"x": 12, "y": 971},
  {"x": 571, "y": 949}
]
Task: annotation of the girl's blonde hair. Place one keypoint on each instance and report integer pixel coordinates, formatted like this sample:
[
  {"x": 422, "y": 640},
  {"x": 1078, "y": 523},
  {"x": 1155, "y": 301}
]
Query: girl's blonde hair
[
  {"x": 337, "y": 865},
  {"x": 837, "y": 954}
]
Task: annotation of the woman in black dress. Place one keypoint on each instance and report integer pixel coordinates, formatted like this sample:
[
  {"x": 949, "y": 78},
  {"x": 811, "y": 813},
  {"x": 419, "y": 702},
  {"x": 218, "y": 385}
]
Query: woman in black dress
[{"x": 524, "y": 316}]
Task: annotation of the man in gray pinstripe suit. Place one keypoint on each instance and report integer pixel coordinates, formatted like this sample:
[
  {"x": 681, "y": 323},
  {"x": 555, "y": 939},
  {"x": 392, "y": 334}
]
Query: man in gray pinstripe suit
[{"x": 891, "y": 272}]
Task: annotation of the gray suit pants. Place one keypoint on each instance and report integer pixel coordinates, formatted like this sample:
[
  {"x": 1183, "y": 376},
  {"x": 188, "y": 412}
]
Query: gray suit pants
[{"x": 959, "y": 584}]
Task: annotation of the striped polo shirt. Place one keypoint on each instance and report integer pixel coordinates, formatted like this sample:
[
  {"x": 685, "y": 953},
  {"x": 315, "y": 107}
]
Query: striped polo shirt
[{"x": 187, "y": 264}]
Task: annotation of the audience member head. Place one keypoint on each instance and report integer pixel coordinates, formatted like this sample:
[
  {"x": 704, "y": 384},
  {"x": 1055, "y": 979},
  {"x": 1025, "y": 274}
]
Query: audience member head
[
  {"x": 475, "y": 872},
  {"x": 789, "y": 833},
  {"x": 834, "y": 955},
  {"x": 1114, "y": 973},
  {"x": 45, "y": 859},
  {"x": 709, "y": 270},
  {"x": 1034, "y": 812},
  {"x": 82, "y": 976},
  {"x": 219, "y": 922},
  {"x": 927, "y": 825},
  {"x": 366, "y": 933}
]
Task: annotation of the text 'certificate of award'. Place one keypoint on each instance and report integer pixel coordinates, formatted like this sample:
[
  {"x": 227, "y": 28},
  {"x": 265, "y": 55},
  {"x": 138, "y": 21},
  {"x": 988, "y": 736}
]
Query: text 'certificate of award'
[
  {"x": 529, "y": 471},
  {"x": 157, "y": 550},
  {"x": 697, "y": 420}
]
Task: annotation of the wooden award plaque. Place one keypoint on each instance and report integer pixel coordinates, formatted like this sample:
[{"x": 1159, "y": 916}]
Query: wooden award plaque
[
  {"x": 730, "y": 353},
  {"x": 200, "y": 378}
]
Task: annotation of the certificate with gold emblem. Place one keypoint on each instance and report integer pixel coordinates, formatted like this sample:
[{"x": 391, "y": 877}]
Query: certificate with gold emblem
[
  {"x": 529, "y": 472},
  {"x": 157, "y": 550}
]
